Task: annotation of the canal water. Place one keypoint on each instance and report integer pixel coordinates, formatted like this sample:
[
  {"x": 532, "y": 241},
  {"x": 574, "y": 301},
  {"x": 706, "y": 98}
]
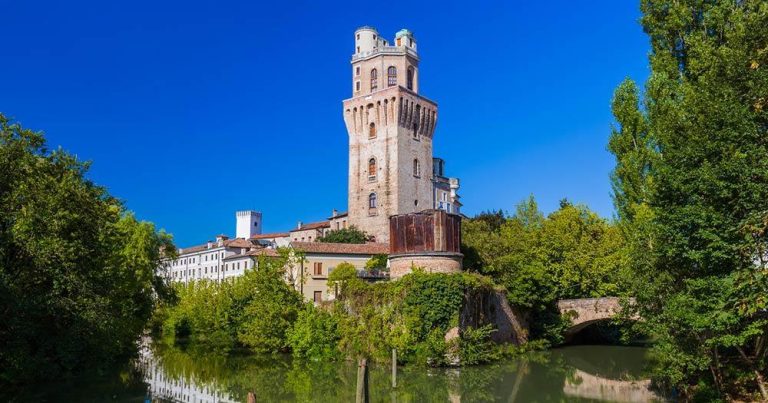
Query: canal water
[{"x": 169, "y": 374}]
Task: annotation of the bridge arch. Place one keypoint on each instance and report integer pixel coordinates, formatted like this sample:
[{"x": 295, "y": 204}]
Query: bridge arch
[{"x": 586, "y": 311}]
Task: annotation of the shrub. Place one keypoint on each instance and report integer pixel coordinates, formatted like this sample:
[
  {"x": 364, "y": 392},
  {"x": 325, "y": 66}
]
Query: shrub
[
  {"x": 345, "y": 235},
  {"x": 315, "y": 334}
]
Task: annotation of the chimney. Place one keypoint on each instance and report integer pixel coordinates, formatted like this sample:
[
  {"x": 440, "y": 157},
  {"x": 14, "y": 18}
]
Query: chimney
[
  {"x": 220, "y": 240},
  {"x": 299, "y": 225},
  {"x": 334, "y": 213},
  {"x": 210, "y": 243}
]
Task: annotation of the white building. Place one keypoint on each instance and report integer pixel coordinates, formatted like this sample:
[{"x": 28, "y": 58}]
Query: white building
[{"x": 211, "y": 259}]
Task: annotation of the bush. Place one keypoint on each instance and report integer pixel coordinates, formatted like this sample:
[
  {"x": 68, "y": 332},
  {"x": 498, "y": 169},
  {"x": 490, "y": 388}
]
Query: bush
[
  {"x": 315, "y": 334},
  {"x": 345, "y": 235},
  {"x": 412, "y": 315},
  {"x": 255, "y": 310},
  {"x": 476, "y": 346}
]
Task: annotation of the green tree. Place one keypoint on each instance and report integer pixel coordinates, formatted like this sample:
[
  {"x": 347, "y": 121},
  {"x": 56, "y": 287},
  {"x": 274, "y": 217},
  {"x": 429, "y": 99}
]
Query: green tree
[
  {"x": 314, "y": 334},
  {"x": 343, "y": 277},
  {"x": 377, "y": 262},
  {"x": 255, "y": 310},
  {"x": 345, "y": 235},
  {"x": 272, "y": 307},
  {"x": 78, "y": 273},
  {"x": 694, "y": 188},
  {"x": 572, "y": 253}
]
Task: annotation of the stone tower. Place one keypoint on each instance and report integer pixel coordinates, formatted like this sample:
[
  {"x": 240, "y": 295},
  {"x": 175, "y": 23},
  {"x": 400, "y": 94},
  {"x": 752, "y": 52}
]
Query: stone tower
[
  {"x": 390, "y": 129},
  {"x": 248, "y": 224}
]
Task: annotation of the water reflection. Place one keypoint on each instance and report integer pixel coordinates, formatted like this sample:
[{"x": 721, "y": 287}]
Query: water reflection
[
  {"x": 583, "y": 373},
  {"x": 170, "y": 374}
]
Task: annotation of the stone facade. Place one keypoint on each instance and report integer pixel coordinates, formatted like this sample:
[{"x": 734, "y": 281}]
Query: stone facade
[
  {"x": 390, "y": 127},
  {"x": 431, "y": 262}
]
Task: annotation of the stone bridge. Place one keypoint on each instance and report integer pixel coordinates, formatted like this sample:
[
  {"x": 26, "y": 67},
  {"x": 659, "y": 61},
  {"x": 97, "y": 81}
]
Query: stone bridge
[{"x": 586, "y": 311}]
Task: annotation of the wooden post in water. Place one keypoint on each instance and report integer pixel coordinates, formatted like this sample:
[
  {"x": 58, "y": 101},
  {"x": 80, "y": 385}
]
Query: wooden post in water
[
  {"x": 361, "y": 396},
  {"x": 394, "y": 368}
]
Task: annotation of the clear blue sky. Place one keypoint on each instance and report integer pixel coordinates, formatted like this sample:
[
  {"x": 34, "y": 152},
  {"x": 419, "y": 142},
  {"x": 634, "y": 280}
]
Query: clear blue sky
[{"x": 192, "y": 110}]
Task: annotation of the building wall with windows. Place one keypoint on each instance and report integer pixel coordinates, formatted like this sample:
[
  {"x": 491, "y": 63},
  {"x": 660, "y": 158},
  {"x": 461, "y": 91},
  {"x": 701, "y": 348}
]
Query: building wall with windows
[
  {"x": 320, "y": 259},
  {"x": 205, "y": 261}
]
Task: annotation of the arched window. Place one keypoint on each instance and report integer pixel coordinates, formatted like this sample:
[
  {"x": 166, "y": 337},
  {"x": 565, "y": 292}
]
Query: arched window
[
  {"x": 416, "y": 168},
  {"x": 372, "y": 168},
  {"x": 374, "y": 79},
  {"x": 372, "y": 131},
  {"x": 372, "y": 200},
  {"x": 409, "y": 77},
  {"x": 391, "y": 76}
]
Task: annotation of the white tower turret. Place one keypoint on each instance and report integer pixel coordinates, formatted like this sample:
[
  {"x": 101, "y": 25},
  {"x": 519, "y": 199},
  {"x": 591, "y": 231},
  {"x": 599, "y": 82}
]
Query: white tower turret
[{"x": 248, "y": 224}]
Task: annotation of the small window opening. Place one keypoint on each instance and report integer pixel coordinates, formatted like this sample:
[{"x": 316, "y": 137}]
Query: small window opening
[
  {"x": 372, "y": 168},
  {"x": 391, "y": 76},
  {"x": 374, "y": 79}
]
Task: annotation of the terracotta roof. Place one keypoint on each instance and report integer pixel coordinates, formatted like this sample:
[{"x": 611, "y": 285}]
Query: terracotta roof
[
  {"x": 268, "y": 252},
  {"x": 272, "y": 235},
  {"x": 232, "y": 243},
  {"x": 238, "y": 243},
  {"x": 313, "y": 225},
  {"x": 339, "y": 215},
  {"x": 342, "y": 248}
]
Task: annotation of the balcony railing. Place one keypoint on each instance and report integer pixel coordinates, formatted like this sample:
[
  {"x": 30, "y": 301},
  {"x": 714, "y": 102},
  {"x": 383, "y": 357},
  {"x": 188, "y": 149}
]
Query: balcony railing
[{"x": 385, "y": 50}]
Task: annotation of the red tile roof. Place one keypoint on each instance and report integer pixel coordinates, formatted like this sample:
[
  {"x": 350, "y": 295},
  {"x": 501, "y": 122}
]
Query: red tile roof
[
  {"x": 272, "y": 235},
  {"x": 231, "y": 243},
  {"x": 313, "y": 225},
  {"x": 342, "y": 248},
  {"x": 255, "y": 253}
]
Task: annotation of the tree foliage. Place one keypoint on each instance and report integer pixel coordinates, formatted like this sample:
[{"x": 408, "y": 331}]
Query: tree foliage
[
  {"x": 691, "y": 184},
  {"x": 78, "y": 273},
  {"x": 255, "y": 310},
  {"x": 315, "y": 334},
  {"x": 345, "y": 235},
  {"x": 572, "y": 253}
]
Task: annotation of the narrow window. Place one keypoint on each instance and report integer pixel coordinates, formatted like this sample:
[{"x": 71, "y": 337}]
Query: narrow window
[
  {"x": 357, "y": 70},
  {"x": 357, "y": 86},
  {"x": 415, "y": 131},
  {"x": 391, "y": 76},
  {"x": 398, "y": 41},
  {"x": 318, "y": 296},
  {"x": 372, "y": 131},
  {"x": 409, "y": 77},
  {"x": 374, "y": 79},
  {"x": 416, "y": 168},
  {"x": 372, "y": 200},
  {"x": 372, "y": 168},
  {"x": 318, "y": 268}
]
